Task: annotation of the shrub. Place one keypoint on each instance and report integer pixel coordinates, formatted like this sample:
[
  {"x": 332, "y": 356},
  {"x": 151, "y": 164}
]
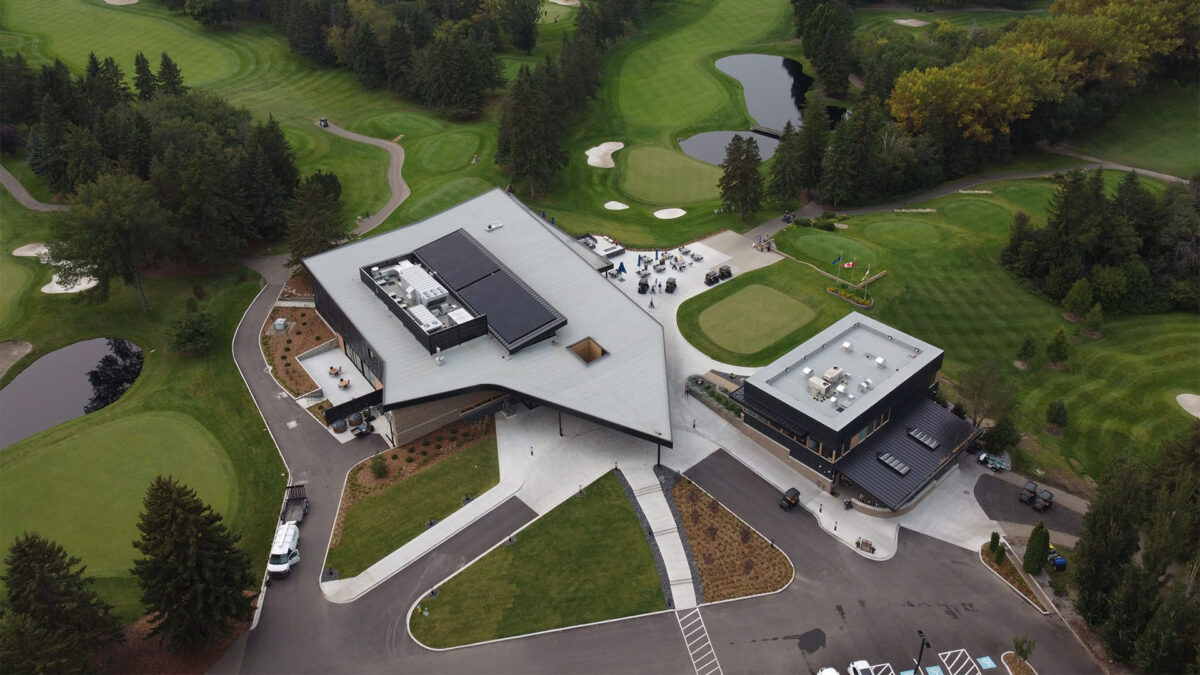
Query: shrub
[
  {"x": 198, "y": 291},
  {"x": 711, "y": 531},
  {"x": 192, "y": 332},
  {"x": 999, "y": 554},
  {"x": 424, "y": 453},
  {"x": 438, "y": 439},
  {"x": 438, "y": 446},
  {"x": 411, "y": 450},
  {"x": 303, "y": 314},
  {"x": 1037, "y": 550},
  {"x": 287, "y": 349},
  {"x": 994, "y": 543},
  {"x": 409, "y": 458},
  {"x": 1028, "y": 348},
  {"x": 425, "y": 443},
  {"x": 747, "y": 566},
  {"x": 395, "y": 456},
  {"x": 298, "y": 333},
  {"x": 317, "y": 338},
  {"x": 1056, "y": 414},
  {"x": 289, "y": 341},
  {"x": 378, "y": 466},
  {"x": 1023, "y": 646}
]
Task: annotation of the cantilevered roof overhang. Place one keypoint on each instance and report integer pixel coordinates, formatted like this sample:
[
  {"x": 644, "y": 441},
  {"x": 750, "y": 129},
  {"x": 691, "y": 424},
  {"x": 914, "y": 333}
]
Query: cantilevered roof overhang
[{"x": 626, "y": 389}]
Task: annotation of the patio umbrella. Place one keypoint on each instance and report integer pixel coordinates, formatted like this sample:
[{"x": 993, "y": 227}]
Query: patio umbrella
[{"x": 621, "y": 269}]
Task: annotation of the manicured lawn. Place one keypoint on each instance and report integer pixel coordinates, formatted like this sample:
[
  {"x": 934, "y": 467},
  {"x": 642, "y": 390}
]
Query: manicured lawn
[
  {"x": 945, "y": 285},
  {"x": 83, "y": 482},
  {"x": 195, "y": 411},
  {"x": 385, "y": 521},
  {"x": 797, "y": 288},
  {"x": 754, "y": 318},
  {"x": 587, "y": 560},
  {"x": 1158, "y": 130}
]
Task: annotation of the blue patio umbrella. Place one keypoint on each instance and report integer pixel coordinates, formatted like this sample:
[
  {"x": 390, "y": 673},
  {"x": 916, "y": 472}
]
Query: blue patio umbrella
[
  {"x": 621, "y": 269},
  {"x": 639, "y": 260},
  {"x": 656, "y": 254}
]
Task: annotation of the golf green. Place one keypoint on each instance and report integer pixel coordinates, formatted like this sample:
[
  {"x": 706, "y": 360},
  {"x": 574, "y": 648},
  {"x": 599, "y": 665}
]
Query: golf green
[
  {"x": 754, "y": 318},
  {"x": 666, "y": 177},
  {"x": 83, "y": 488}
]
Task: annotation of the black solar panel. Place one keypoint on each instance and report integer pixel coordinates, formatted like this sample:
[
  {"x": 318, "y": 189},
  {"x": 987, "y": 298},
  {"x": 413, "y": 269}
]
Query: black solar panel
[
  {"x": 511, "y": 310},
  {"x": 458, "y": 260}
]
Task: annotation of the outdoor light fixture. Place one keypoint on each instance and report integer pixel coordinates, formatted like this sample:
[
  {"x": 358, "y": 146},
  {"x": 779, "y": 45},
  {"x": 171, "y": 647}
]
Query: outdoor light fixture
[{"x": 924, "y": 644}]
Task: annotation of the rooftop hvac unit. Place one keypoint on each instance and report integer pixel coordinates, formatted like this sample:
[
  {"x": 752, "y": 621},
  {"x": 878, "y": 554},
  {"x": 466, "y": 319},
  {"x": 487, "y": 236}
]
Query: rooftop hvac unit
[
  {"x": 869, "y": 382},
  {"x": 460, "y": 316},
  {"x": 863, "y": 386},
  {"x": 881, "y": 362},
  {"x": 841, "y": 389},
  {"x": 847, "y": 347},
  {"x": 425, "y": 318},
  {"x": 420, "y": 286},
  {"x": 833, "y": 400},
  {"x": 807, "y": 371},
  {"x": 818, "y": 386},
  {"x": 834, "y": 374},
  {"x": 849, "y": 399},
  {"x": 280, "y": 324}
]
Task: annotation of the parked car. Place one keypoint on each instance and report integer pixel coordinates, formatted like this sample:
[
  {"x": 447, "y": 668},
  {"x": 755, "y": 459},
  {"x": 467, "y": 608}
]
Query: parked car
[{"x": 859, "y": 668}]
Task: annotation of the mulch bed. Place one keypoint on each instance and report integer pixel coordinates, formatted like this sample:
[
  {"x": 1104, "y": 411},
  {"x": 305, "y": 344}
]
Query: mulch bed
[
  {"x": 299, "y": 286},
  {"x": 139, "y": 654},
  {"x": 408, "y": 460},
  {"x": 1008, "y": 570},
  {"x": 1017, "y": 665},
  {"x": 305, "y": 331},
  {"x": 734, "y": 560}
]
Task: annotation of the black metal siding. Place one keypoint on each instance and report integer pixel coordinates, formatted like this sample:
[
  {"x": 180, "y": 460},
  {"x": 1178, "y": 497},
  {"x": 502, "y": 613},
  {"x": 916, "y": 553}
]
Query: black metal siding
[{"x": 337, "y": 320}]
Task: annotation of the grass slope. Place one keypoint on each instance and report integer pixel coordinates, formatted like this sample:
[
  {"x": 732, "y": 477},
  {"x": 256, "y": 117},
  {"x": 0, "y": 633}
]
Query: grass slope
[
  {"x": 224, "y": 429},
  {"x": 587, "y": 560},
  {"x": 1158, "y": 130},
  {"x": 945, "y": 285},
  {"x": 406, "y": 506}
]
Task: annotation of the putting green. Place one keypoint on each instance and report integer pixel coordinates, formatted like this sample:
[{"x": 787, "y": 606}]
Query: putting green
[
  {"x": 84, "y": 488},
  {"x": 666, "y": 176},
  {"x": 905, "y": 234},
  {"x": 753, "y": 319},
  {"x": 449, "y": 151}
]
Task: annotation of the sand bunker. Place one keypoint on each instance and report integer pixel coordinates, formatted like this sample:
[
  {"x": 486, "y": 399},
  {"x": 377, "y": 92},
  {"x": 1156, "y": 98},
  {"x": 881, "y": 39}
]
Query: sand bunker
[
  {"x": 668, "y": 214},
  {"x": 911, "y": 23},
  {"x": 615, "y": 206},
  {"x": 1190, "y": 403},
  {"x": 35, "y": 250},
  {"x": 842, "y": 226},
  {"x": 566, "y": 3},
  {"x": 38, "y": 251},
  {"x": 601, "y": 155},
  {"x": 120, "y": 2}
]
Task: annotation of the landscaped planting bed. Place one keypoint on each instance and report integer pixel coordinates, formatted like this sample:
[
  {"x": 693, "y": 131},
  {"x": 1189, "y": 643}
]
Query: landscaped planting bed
[
  {"x": 1008, "y": 570},
  {"x": 425, "y": 479},
  {"x": 734, "y": 560},
  {"x": 305, "y": 330}
]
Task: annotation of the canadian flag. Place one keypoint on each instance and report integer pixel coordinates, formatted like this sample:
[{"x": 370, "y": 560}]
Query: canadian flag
[{"x": 849, "y": 264}]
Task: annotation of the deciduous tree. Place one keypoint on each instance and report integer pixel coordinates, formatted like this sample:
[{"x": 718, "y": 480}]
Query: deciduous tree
[{"x": 1079, "y": 298}]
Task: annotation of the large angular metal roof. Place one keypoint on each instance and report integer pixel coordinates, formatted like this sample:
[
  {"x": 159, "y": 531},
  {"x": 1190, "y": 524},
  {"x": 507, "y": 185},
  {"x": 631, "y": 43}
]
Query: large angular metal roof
[{"x": 627, "y": 389}]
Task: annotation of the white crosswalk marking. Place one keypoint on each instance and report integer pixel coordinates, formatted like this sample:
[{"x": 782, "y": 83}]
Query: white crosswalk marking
[
  {"x": 959, "y": 662},
  {"x": 695, "y": 637}
]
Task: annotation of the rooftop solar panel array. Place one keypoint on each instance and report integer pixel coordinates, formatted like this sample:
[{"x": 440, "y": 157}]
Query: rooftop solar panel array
[{"x": 515, "y": 314}]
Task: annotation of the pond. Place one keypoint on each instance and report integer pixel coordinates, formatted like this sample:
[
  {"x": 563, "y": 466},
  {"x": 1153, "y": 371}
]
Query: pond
[
  {"x": 775, "y": 89},
  {"x": 66, "y": 383}
]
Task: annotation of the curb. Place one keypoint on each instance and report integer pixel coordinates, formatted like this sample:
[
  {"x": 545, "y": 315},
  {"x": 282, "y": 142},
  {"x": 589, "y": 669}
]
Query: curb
[
  {"x": 1010, "y": 672},
  {"x": 1006, "y": 583}
]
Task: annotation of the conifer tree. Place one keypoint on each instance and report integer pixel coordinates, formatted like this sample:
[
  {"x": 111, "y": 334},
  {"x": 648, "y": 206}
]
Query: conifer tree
[
  {"x": 170, "y": 78},
  {"x": 54, "y": 621},
  {"x": 1028, "y": 348},
  {"x": 1079, "y": 298},
  {"x": 397, "y": 58},
  {"x": 193, "y": 577},
  {"x": 1108, "y": 541},
  {"x": 314, "y": 223},
  {"x": 144, "y": 79},
  {"x": 1094, "y": 318},
  {"x": 1168, "y": 644},
  {"x": 741, "y": 183},
  {"x": 1056, "y": 414},
  {"x": 1037, "y": 549},
  {"x": 1058, "y": 348},
  {"x": 368, "y": 62},
  {"x": 813, "y": 139},
  {"x": 1133, "y": 605},
  {"x": 786, "y": 167}
]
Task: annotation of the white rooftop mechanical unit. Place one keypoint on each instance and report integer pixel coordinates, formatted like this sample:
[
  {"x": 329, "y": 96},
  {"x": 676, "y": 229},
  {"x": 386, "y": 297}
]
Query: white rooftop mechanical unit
[
  {"x": 881, "y": 362},
  {"x": 818, "y": 386},
  {"x": 834, "y": 374},
  {"x": 419, "y": 285},
  {"x": 429, "y": 323}
]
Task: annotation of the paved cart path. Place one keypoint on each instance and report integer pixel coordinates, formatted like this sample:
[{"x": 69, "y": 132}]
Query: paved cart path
[
  {"x": 400, "y": 190},
  {"x": 22, "y": 195}
]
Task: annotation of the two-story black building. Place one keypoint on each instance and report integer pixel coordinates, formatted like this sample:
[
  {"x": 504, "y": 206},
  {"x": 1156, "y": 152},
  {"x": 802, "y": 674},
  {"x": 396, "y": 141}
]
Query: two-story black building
[{"x": 855, "y": 404}]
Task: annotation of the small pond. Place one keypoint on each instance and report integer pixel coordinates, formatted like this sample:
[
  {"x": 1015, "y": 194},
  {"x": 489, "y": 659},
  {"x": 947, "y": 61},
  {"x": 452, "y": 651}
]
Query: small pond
[
  {"x": 66, "y": 383},
  {"x": 775, "y": 88}
]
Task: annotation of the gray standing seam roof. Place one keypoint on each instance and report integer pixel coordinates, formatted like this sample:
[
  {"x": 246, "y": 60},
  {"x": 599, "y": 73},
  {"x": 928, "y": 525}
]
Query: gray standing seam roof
[
  {"x": 627, "y": 389},
  {"x": 864, "y": 467}
]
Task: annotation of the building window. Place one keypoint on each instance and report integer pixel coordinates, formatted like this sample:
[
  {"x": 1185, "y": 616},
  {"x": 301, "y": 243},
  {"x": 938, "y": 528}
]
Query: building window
[{"x": 588, "y": 350}]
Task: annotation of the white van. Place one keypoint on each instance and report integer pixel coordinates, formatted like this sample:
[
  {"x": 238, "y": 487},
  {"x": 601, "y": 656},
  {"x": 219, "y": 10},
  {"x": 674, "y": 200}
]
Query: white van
[{"x": 285, "y": 550}]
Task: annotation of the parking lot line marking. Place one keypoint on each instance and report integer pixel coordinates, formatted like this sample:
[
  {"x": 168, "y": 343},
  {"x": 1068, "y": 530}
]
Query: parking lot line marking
[
  {"x": 704, "y": 656},
  {"x": 959, "y": 662},
  {"x": 882, "y": 669}
]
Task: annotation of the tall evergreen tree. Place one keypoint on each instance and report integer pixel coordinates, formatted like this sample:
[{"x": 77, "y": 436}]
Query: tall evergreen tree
[
  {"x": 1168, "y": 644},
  {"x": 194, "y": 578},
  {"x": 114, "y": 227},
  {"x": 397, "y": 58},
  {"x": 520, "y": 18},
  {"x": 1037, "y": 550},
  {"x": 267, "y": 138},
  {"x": 368, "y": 62},
  {"x": 741, "y": 183},
  {"x": 18, "y": 90},
  {"x": 144, "y": 79},
  {"x": 787, "y": 167},
  {"x": 813, "y": 140},
  {"x": 266, "y": 204},
  {"x": 528, "y": 142},
  {"x": 170, "y": 78},
  {"x": 834, "y": 60},
  {"x": 47, "y": 156},
  {"x": 313, "y": 222},
  {"x": 1059, "y": 347},
  {"x": 581, "y": 66},
  {"x": 54, "y": 622},
  {"x": 1108, "y": 541},
  {"x": 85, "y": 158},
  {"x": 839, "y": 171},
  {"x": 1133, "y": 604}
]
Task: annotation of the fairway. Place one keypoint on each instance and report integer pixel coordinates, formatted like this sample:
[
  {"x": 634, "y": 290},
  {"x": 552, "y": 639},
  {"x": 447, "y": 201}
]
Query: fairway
[
  {"x": 587, "y": 560},
  {"x": 1157, "y": 130},
  {"x": 754, "y": 318},
  {"x": 65, "y": 486}
]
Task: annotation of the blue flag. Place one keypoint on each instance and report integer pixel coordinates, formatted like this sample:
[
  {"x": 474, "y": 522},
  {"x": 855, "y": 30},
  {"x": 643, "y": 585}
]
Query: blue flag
[{"x": 835, "y": 262}]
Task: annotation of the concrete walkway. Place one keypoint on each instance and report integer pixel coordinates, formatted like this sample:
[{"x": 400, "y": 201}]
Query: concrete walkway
[
  {"x": 649, "y": 495},
  {"x": 400, "y": 190},
  {"x": 22, "y": 195}
]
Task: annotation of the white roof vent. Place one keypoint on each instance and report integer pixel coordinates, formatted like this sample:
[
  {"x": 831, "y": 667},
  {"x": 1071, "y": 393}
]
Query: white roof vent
[
  {"x": 863, "y": 386},
  {"x": 841, "y": 389},
  {"x": 869, "y": 382},
  {"x": 847, "y": 346},
  {"x": 807, "y": 371},
  {"x": 833, "y": 400},
  {"x": 881, "y": 362},
  {"x": 494, "y": 225}
]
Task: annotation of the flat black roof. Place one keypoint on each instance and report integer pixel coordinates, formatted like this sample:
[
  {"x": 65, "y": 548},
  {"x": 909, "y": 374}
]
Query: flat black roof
[
  {"x": 458, "y": 259},
  {"x": 516, "y": 315},
  {"x": 894, "y": 443}
]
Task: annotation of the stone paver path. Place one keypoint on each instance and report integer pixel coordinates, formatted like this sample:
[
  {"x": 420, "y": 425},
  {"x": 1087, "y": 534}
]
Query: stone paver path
[{"x": 649, "y": 495}]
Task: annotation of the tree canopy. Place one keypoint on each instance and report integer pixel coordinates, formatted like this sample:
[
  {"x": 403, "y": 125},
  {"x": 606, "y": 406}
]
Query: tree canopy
[{"x": 741, "y": 183}]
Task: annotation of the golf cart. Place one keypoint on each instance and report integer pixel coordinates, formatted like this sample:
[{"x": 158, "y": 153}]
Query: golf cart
[
  {"x": 1029, "y": 493},
  {"x": 324, "y": 121},
  {"x": 724, "y": 272},
  {"x": 790, "y": 499},
  {"x": 671, "y": 285},
  {"x": 992, "y": 462},
  {"x": 643, "y": 286},
  {"x": 1044, "y": 501},
  {"x": 711, "y": 278}
]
